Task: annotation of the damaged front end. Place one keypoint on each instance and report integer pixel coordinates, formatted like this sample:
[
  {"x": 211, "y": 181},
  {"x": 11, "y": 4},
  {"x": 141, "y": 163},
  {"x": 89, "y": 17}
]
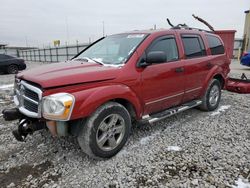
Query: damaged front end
[
  {"x": 29, "y": 103},
  {"x": 25, "y": 126}
]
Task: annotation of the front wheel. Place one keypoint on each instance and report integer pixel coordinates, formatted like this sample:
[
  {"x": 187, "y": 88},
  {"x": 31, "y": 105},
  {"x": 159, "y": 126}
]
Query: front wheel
[
  {"x": 105, "y": 132},
  {"x": 211, "y": 99}
]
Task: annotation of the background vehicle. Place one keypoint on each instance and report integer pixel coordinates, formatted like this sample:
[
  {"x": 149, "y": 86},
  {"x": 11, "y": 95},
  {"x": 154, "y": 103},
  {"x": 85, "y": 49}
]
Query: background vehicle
[
  {"x": 138, "y": 76},
  {"x": 245, "y": 59},
  {"x": 10, "y": 64}
]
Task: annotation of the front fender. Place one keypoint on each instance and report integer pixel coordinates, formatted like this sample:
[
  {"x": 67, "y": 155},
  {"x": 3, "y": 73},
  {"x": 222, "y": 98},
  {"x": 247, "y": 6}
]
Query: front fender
[{"x": 87, "y": 101}]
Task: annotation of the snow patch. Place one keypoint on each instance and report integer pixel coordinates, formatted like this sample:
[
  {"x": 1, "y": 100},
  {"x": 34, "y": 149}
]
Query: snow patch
[
  {"x": 241, "y": 184},
  {"x": 173, "y": 148},
  {"x": 221, "y": 109},
  {"x": 7, "y": 86},
  {"x": 145, "y": 140}
]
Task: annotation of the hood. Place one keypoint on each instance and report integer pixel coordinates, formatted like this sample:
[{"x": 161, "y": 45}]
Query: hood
[{"x": 68, "y": 73}]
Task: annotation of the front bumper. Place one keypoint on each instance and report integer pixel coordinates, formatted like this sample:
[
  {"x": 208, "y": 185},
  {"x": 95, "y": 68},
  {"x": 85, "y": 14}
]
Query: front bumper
[
  {"x": 11, "y": 114},
  {"x": 26, "y": 125}
]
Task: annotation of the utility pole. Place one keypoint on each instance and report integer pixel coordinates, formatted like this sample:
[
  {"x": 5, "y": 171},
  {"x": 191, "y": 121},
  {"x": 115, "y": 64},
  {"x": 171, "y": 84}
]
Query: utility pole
[{"x": 103, "y": 29}]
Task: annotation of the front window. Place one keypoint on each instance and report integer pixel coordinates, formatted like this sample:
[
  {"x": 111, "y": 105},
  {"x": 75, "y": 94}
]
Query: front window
[{"x": 112, "y": 50}]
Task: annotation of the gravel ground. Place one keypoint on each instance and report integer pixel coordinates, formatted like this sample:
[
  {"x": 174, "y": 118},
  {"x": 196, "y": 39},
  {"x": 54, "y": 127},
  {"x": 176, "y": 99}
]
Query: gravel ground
[{"x": 191, "y": 149}]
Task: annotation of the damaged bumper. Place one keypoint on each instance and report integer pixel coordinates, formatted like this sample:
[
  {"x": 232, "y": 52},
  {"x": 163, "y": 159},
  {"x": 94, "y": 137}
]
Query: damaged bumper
[
  {"x": 25, "y": 126},
  {"x": 29, "y": 125},
  {"x": 241, "y": 86}
]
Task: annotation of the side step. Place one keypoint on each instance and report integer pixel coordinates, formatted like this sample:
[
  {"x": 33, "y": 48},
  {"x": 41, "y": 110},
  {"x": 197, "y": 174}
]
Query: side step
[{"x": 169, "y": 112}]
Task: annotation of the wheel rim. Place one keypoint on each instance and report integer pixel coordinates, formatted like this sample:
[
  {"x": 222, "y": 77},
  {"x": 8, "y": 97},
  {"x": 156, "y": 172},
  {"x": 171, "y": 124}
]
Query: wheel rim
[
  {"x": 12, "y": 69},
  {"x": 110, "y": 132},
  {"x": 214, "y": 95}
]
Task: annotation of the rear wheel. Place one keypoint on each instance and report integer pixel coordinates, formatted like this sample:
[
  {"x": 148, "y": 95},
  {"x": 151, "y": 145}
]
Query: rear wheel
[
  {"x": 211, "y": 99},
  {"x": 105, "y": 132},
  {"x": 12, "y": 69}
]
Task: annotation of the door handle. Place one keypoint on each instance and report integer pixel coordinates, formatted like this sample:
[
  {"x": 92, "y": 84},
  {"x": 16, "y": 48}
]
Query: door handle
[{"x": 179, "y": 69}]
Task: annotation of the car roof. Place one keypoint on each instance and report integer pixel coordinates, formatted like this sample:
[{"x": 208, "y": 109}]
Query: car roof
[{"x": 166, "y": 31}]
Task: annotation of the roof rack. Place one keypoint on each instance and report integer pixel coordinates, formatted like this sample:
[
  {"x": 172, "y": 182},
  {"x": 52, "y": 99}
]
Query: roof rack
[{"x": 192, "y": 28}]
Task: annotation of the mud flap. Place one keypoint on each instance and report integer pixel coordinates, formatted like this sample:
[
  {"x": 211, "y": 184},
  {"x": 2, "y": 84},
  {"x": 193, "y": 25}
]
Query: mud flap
[{"x": 239, "y": 85}]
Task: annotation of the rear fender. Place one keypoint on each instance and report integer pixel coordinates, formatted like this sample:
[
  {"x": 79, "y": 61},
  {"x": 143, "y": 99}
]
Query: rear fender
[
  {"x": 216, "y": 70},
  {"x": 87, "y": 101}
]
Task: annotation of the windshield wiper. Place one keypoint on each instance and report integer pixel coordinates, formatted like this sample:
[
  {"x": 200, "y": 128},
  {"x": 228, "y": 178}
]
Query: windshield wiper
[
  {"x": 99, "y": 62},
  {"x": 87, "y": 59},
  {"x": 81, "y": 59}
]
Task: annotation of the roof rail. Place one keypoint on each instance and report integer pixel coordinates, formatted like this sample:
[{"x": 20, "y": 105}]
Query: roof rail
[{"x": 191, "y": 28}]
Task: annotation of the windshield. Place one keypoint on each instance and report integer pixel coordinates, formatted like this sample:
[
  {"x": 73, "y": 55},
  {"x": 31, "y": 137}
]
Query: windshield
[{"x": 113, "y": 50}]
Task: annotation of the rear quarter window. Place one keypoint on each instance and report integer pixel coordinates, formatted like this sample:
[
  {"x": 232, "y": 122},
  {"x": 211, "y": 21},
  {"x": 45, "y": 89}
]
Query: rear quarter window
[
  {"x": 215, "y": 45},
  {"x": 193, "y": 46}
]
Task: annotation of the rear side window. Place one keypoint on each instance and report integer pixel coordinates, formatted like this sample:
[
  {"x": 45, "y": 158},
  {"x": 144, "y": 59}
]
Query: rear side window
[
  {"x": 215, "y": 45},
  {"x": 167, "y": 45},
  {"x": 193, "y": 46}
]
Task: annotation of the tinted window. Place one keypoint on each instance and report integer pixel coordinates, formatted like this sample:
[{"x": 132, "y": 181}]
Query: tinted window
[
  {"x": 193, "y": 46},
  {"x": 215, "y": 45},
  {"x": 167, "y": 45}
]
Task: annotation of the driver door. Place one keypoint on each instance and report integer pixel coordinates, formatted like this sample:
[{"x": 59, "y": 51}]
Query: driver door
[{"x": 163, "y": 83}]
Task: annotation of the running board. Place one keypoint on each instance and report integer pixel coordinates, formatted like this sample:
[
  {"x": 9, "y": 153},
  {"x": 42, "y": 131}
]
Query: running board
[{"x": 169, "y": 112}]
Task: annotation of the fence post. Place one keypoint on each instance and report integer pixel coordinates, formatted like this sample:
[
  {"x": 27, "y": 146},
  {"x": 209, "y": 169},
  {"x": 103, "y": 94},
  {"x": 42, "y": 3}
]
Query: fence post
[
  {"x": 44, "y": 54},
  {"x": 50, "y": 54},
  {"x": 39, "y": 55},
  {"x": 34, "y": 55},
  {"x": 29, "y": 55},
  {"x": 77, "y": 46},
  {"x": 67, "y": 52},
  {"x": 57, "y": 54}
]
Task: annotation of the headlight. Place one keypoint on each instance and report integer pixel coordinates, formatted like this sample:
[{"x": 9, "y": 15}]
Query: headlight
[{"x": 58, "y": 106}]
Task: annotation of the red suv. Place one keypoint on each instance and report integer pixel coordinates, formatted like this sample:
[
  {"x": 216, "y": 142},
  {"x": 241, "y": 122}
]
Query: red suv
[{"x": 137, "y": 76}]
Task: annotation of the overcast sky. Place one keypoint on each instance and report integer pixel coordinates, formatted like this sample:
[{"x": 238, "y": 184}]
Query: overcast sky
[{"x": 39, "y": 22}]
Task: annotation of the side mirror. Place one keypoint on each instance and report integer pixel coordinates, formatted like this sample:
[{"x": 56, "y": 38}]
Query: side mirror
[{"x": 156, "y": 57}]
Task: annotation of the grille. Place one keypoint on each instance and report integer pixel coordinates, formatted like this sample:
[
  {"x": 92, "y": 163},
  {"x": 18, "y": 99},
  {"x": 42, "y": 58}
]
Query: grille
[
  {"x": 30, "y": 106},
  {"x": 31, "y": 94},
  {"x": 29, "y": 99}
]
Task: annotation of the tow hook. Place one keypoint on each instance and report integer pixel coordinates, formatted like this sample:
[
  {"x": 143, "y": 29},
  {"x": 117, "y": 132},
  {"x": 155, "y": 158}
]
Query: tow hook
[{"x": 25, "y": 127}]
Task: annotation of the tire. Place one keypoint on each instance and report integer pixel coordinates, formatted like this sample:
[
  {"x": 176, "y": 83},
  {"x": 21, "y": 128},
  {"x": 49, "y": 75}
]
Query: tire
[
  {"x": 12, "y": 69},
  {"x": 106, "y": 131},
  {"x": 211, "y": 99}
]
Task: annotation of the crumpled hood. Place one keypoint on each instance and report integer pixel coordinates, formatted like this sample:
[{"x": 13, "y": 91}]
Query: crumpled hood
[{"x": 68, "y": 73}]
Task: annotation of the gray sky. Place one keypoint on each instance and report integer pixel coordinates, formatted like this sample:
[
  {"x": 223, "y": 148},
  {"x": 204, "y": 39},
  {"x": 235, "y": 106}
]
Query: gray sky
[{"x": 39, "y": 22}]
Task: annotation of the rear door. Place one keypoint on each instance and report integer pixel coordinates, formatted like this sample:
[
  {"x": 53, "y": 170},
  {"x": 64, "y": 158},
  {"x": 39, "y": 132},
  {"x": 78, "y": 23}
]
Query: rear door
[
  {"x": 196, "y": 65},
  {"x": 163, "y": 83}
]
